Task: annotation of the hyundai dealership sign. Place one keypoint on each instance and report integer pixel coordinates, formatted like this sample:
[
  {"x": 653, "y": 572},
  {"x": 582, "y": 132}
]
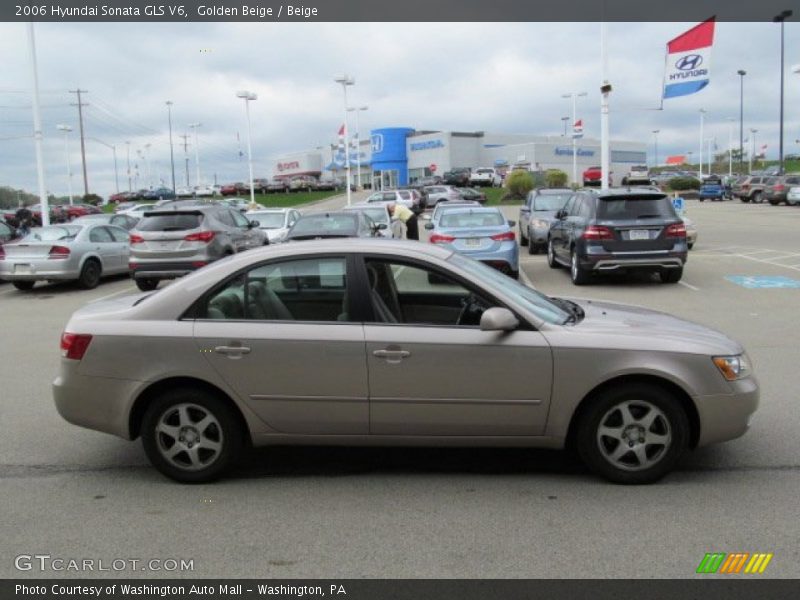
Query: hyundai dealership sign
[{"x": 567, "y": 151}]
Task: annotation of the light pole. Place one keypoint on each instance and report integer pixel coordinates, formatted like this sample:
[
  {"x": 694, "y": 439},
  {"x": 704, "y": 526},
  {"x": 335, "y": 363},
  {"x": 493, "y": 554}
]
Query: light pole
[
  {"x": 249, "y": 97},
  {"x": 730, "y": 146},
  {"x": 147, "y": 165},
  {"x": 66, "y": 129},
  {"x": 171, "y": 152},
  {"x": 128, "y": 148},
  {"x": 780, "y": 18},
  {"x": 358, "y": 143},
  {"x": 346, "y": 80},
  {"x": 565, "y": 121},
  {"x": 752, "y": 149},
  {"x": 574, "y": 96},
  {"x": 702, "y": 119},
  {"x": 741, "y": 73},
  {"x": 195, "y": 126},
  {"x": 655, "y": 143}
]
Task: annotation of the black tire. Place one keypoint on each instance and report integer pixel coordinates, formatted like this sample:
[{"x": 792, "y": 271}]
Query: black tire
[
  {"x": 23, "y": 286},
  {"x": 690, "y": 246},
  {"x": 744, "y": 199},
  {"x": 90, "y": 274},
  {"x": 532, "y": 247},
  {"x": 551, "y": 255},
  {"x": 671, "y": 275},
  {"x": 774, "y": 202},
  {"x": 701, "y": 199},
  {"x": 756, "y": 198},
  {"x": 513, "y": 274},
  {"x": 578, "y": 274},
  {"x": 608, "y": 409},
  {"x": 523, "y": 241},
  {"x": 224, "y": 430},
  {"x": 147, "y": 285}
]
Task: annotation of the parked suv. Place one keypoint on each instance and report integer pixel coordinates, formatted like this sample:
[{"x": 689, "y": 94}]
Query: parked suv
[
  {"x": 170, "y": 243},
  {"x": 711, "y": 189},
  {"x": 618, "y": 230},
  {"x": 302, "y": 183},
  {"x": 408, "y": 198},
  {"x": 776, "y": 192},
  {"x": 485, "y": 177},
  {"x": 751, "y": 189},
  {"x": 458, "y": 177},
  {"x": 440, "y": 193},
  {"x": 538, "y": 214}
]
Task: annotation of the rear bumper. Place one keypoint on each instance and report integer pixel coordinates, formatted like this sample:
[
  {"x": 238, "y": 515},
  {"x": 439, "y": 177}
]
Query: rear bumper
[
  {"x": 604, "y": 262},
  {"x": 164, "y": 270}
]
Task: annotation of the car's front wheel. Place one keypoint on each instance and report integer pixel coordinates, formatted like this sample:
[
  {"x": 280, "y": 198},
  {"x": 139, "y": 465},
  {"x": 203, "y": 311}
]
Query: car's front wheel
[
  {"x": 191, "y": 436},
  {"x": 147, "y": 285},
  {"x": 633, "y": 433},
  {"x": 523, "y": 241},
  {"x": 24, "y": 286}
]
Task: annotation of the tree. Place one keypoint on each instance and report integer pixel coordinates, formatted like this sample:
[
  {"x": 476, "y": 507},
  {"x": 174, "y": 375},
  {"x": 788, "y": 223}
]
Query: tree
[
  {"x": 518, "y": 184},
  {"x": 555, "y": 178}
]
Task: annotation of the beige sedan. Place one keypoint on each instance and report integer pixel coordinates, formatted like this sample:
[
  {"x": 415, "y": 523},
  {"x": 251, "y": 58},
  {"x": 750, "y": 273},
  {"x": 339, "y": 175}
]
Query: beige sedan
[{"x": 358, "y": 341}]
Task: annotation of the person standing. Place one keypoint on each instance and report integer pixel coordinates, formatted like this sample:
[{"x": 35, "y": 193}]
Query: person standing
[{"x": 404, "y": 214}]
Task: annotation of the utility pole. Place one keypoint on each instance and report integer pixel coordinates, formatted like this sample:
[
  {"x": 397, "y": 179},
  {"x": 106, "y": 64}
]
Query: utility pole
[
  {"x": 80, "y": 106},
  {"x": 185, "y": 137}
]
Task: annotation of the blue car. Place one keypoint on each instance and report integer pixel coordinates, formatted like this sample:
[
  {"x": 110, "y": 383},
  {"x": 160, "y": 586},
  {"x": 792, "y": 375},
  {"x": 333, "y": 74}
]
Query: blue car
[
  {"x": 480, "y": 233},
  {"x": 712, "y": 189}
]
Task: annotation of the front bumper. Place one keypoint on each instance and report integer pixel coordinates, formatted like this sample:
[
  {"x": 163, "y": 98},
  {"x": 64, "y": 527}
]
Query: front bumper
[{"x": 727, "y": 416}]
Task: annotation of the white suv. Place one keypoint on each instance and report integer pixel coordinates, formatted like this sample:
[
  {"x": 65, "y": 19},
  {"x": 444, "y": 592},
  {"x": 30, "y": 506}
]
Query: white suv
[{"x": 486, "y": 176}]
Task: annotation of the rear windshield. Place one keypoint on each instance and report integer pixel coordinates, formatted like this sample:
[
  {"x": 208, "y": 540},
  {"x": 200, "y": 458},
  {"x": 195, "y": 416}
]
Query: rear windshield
[
  {"x": 450, "y": 219},
  {"x": 170, "y": 222},
  {"x": 793, "y": 180},
  {"x": 326, "y": 223},
  {"x": 550, "y": 201},
  {"x": 51, "y": 234},
  {"x": 635, "y": 207}
]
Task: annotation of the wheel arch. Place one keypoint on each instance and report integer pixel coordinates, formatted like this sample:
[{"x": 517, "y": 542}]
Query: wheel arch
[
  {"x": 665, "y": 384},
  {"x": 151, "y": 392}
]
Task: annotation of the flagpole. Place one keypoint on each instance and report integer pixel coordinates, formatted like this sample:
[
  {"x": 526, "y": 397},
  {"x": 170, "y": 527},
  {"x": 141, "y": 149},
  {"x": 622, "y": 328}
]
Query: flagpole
[{"x": 605, "y": 91}]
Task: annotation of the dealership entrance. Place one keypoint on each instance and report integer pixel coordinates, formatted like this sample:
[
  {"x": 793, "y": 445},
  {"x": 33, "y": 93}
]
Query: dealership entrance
[{"x": 385, "y": 180}]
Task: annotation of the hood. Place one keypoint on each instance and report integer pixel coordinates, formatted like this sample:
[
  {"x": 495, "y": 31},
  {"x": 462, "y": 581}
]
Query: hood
[{"x": 631, "y": 327}]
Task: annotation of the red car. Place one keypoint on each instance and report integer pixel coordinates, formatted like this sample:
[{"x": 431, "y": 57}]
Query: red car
[
  {"x": 234, "y": 189},
  {"x": 593, "y": 175},
  {"x": 73, "y": 211}
]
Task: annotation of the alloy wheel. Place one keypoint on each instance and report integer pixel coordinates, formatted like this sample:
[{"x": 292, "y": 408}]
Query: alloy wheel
[
  {"x": 634, "y": 435},
  {"x": 189, "y": 436}
]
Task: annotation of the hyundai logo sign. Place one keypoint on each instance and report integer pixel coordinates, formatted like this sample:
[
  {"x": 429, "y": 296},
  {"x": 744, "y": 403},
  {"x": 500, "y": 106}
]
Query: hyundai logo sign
[
  {"x": 377, "y": 143},
  {"x": 689, "y": 62}
]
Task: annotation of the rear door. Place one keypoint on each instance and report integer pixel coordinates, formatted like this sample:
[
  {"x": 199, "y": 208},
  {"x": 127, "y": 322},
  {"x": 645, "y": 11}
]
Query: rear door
[
  {"x": 122, "y": 247},
  {"x": 559, "y": 232},
  {"x": 103, "y": 244}
]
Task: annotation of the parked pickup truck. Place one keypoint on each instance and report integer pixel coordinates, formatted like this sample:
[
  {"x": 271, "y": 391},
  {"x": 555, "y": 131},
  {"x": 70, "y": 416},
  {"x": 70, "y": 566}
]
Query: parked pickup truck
[
  {"x": 711, "y": 189},
  {"x": 638, "y": 175},
  {"x": 593, "y": 176},
  {"x": 485, "y": 176}
]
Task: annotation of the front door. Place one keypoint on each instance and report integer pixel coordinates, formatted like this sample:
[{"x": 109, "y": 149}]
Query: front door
[{"x": 433, "y": 372}]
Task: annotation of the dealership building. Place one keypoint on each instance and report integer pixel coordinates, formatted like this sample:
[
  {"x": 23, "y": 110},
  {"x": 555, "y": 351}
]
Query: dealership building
[{"x": 394, "y": 156}]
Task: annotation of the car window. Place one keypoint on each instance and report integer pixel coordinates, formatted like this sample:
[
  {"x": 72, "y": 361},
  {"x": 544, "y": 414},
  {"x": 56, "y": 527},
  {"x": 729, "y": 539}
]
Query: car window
[
  {"x": 170, "y": 222},
  {"x": 585, "y": 210},
  {"x": 118, "y": 234},
  {"x": 100, "y": 235},
  {"x": 225, "y": 216},
  {"x": 295, "y": 290},
  {"x": 635, "y": 207},
  {"x": 548, "y": 202},
  {"x": 575, "y": 207},
  {"x": 470, "y": 219},
  {"x": 570, "y": 203},
  {"x": 239, "y": 219},
  {"x": 407, "y": 294}
]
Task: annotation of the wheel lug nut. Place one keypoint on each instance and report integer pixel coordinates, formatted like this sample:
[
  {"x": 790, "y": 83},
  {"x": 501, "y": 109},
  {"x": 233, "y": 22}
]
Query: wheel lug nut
[{"x": 630, "y": 444}]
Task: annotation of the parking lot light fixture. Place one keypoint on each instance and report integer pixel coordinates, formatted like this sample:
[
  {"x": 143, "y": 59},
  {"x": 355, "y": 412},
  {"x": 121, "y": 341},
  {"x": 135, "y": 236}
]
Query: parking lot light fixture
[
  {"x": 741, "y": 73},
  {"x": 780, "y": 18},
  {"x": 248, "y": 97},
  {"x": 574, "y": 96},
  {"x": 345, "y": 80},
  {"x": 66, "y": 129},
  {"x": 171, "y": 152}
]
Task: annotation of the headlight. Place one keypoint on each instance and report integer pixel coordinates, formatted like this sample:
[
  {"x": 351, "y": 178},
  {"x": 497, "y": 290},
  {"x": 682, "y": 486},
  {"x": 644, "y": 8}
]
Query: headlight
[
  {"x": 539, "y": 224},
  {"x": 733, "y": 367}
]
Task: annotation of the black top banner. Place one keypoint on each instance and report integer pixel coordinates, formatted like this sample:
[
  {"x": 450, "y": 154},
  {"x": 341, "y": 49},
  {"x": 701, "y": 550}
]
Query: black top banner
[{"x": 255, "y": 11}]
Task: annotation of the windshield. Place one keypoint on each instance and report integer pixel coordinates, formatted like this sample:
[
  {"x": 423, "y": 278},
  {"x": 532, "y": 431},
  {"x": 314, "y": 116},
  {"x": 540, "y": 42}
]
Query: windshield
[
  {"x": 534, "y": 301},
  {"x": 52, "y": 234},
  {"x": 268, "y": 220},
  {"x": 550, "y": 202}
]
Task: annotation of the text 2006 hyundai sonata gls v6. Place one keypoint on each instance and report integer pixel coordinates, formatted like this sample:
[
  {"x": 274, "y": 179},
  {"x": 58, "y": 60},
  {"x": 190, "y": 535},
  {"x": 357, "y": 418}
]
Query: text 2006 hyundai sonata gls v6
[{"x": 360, "y": 342}]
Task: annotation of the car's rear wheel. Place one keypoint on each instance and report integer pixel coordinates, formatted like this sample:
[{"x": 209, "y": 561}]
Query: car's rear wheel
[
  {"x": 551, "y": 255},
  {"x": 23, "y": 286},
  {"x": 744, "y": 199},
  {"x": 191, "y": 436},
  {"x": 633, "y": 433},
  {"x": 147, "y": 285},
  {"x": 671, "y": 275},
  {"x": 757, "y": 198},
  {"x": 579, "y": 275},
  {"x": 90, "y": 274},
  {"x": 690, "y": 245}
]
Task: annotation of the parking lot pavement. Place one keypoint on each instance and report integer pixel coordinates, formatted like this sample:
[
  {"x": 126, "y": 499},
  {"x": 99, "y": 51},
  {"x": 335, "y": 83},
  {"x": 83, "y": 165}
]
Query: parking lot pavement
[{"x": 372, "y": 512}]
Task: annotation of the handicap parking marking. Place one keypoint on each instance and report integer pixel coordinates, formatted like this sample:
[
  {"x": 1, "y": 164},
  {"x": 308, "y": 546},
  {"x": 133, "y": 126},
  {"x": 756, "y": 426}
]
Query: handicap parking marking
[{"x": 764, "y": 282}]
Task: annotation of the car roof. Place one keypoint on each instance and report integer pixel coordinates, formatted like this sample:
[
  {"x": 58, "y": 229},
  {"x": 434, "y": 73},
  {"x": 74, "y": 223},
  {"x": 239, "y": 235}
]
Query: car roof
[{"x": 477, "y": 209}]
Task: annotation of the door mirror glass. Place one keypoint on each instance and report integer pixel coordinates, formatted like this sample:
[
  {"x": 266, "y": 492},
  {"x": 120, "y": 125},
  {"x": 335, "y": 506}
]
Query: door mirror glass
[
  {"x": 561, "y": 214},
  {"x": 498, "y": 319},
  {"x": 428, "y": 225},
  {"x": 254, "y": 224},
  {"x": 511, "y": 222}
]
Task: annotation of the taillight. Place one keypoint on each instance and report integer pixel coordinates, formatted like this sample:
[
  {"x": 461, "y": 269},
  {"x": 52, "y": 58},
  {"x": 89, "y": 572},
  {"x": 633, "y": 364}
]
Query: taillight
[
  {"x": 74, "y": 345},
  {"x": 136, "y": 239},
  {"x": 202, "y": 236},
  {"x": 2, "y": 253},
  {"x": 596, "y": 232},
  {"x": 440, "y": 238},
  {"x": 778, "y": 188},
  {"x": 199, "y": 263},
  {"x": 676, "y": 230},
  {"x": 58, "y": 253},
  {"x": 508, "y": 236}
]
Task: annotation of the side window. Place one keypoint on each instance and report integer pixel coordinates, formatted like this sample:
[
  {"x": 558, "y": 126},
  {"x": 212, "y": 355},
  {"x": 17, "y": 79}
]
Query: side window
[
  {"x": 570, "y": 205},
  {"x": 412, "y": 295},
  {"x": 585, "y": 210},
  {"x": 100, "y": 235},
  {"x": 224, "y": 216},
  {"x": 239, "y": 219},
  {"x": 390, "y": 196},
  {"x": 299, "y": 290},
  {"x": 119, "y": 235}
]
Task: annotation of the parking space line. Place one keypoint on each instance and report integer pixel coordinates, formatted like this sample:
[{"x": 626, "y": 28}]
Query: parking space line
[{"x": 689, "y": 285}]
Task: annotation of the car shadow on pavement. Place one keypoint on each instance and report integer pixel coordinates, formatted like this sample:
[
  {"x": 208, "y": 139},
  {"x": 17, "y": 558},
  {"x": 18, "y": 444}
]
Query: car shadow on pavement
[
  {"x": 48, "y": 289},
  {"x": 305, "y": 461}
]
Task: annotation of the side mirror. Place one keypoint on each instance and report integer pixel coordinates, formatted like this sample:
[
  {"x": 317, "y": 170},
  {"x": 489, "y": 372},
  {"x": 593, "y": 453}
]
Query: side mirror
[
  {"x": 381, "y": 226},
  {"x": 511, "y": 222},
  {"x": 561, "y": 214},
  {"x": 428, "y": 225},
  {"x": 498, "y": 319},
  {"x": 252, "y": 224}
]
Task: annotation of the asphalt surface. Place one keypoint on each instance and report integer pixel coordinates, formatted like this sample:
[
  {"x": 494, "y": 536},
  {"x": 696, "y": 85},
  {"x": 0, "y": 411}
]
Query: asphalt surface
[{"x": 361, "y": 512}]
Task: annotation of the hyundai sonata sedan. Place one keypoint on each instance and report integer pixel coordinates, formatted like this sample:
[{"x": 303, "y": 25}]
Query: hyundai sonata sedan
[{"x": 356, "y": 341}]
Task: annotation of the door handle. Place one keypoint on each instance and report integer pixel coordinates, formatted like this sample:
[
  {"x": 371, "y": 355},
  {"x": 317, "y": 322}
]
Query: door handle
[
  {"x": 392, "y": 356},
  {"x": 232, "y": 351}
]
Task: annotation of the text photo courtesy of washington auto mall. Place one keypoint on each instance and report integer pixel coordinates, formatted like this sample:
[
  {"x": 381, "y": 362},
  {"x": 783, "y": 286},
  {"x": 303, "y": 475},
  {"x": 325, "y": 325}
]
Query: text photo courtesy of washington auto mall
[{"x": 399, "y": 299}]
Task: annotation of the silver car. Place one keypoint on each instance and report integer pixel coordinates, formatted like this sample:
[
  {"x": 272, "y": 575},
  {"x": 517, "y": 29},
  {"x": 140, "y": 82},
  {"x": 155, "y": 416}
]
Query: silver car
[
  {"x": 440, "y": 193},
  {"x": 538, "y": 214},
  {"x": 275, "y": 222},
  {"x": 84, "y": 252},
  {"x": 357, "y": 341},
  {"x": 167, "y": 244},
  {"x": 379, "y": 213}
]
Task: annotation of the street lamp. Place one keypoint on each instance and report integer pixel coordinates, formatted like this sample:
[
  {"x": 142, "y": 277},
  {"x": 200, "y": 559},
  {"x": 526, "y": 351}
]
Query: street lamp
[
  {"x": 753, "y": 133},
  {"x": 346, "y": 80},
  {"x": 730, "y": 146},
  {"x": 66, "y": 129},
  {"x": 565, "y": 120},
  {"x": 114, "y": 152},
  {"x": 741, "y": 73},
  {"x": 171, "y": 152},
  {"x": 780, "y": 18},
  {"x": 574, "y": 96},
  {"x": 196, "y": 126},
  {"x": 358, "y": 143},
  {"x": 655, "y": 142},
  {"x": 702, "y": 119},
  {"x": 249, "y": 97}
]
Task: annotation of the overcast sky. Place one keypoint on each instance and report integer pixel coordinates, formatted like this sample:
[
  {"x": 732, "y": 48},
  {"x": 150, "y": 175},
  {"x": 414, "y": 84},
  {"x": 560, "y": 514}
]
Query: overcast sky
[{"x": 495, "y": 77}]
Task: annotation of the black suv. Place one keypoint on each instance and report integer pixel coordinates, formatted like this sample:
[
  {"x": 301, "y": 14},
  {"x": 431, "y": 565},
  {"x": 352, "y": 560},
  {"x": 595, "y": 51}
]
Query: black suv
[
  {"x": 458, "y": 177},
  {"x": 618, "y": 230}
]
